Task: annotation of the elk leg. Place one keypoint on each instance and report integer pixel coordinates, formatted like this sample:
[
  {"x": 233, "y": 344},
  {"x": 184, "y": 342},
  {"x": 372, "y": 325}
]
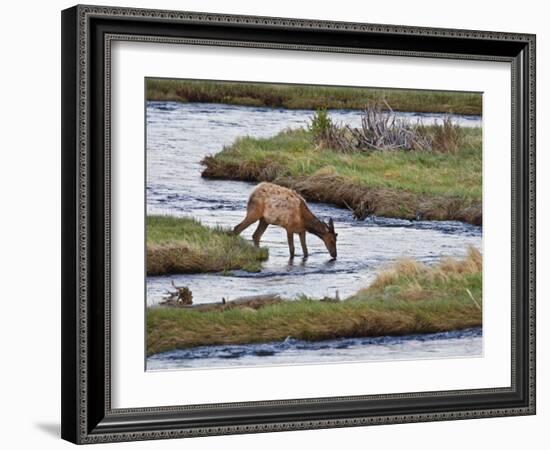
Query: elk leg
[
  {"x": 248, "y": 220},
  {"x": 262, "y": 226},
  {"x": 303, "y": 242},
  {"x": 290, "y": 237}
]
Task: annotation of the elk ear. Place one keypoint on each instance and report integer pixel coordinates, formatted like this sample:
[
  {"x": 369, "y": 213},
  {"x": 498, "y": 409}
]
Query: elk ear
[{"x": 331, "y": 225}]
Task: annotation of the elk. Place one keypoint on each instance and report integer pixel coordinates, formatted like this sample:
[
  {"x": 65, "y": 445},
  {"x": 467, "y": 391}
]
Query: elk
[{"x": 271, "y": 204}]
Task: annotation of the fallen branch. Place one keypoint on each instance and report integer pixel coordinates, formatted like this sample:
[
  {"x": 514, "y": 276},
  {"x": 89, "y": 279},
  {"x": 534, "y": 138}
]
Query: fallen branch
[
  {"x": 253, "y": 302},
  {"x": 182, "y": 296}
]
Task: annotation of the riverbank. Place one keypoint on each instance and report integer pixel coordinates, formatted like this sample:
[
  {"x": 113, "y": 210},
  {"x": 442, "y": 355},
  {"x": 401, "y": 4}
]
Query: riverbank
[
  {"x": 311, "y": 97},
  {"x": 398, "y": 184},
  {"x": 408, "y": 298},
  {"x": 182, "y": 245}
]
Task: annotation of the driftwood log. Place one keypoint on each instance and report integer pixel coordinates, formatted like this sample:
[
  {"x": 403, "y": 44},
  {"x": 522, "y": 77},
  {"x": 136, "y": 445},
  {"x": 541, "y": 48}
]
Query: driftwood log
[{"x": 253, "y": 302}]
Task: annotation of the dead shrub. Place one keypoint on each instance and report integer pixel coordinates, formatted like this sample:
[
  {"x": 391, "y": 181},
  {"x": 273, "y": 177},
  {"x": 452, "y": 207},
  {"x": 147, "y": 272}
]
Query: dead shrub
[{"x": 381, "y": 129}]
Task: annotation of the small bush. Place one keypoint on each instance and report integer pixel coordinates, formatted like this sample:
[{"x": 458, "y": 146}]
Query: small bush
[
  {"x": 320, "y": 125},
  {"x": 328, "y": 135}
]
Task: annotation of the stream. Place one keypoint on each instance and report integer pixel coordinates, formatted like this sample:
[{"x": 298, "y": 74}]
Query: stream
[{"x": 180, "y": 135}]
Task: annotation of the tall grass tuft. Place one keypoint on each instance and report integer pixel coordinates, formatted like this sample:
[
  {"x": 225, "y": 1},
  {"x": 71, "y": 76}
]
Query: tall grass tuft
[
  {"x": 409, "y": 271},
  {"x": 447, "y": 137}
]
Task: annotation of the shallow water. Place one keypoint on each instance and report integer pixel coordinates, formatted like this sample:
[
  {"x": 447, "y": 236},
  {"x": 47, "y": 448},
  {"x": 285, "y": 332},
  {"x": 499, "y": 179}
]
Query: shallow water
[
  {"x": 363, "y": 248},
  {"x": 180, "y": 135}
]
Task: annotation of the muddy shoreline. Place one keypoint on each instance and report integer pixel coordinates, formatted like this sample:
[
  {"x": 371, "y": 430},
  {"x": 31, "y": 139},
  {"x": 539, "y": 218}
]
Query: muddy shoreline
[{"x": 339, "y": 191}]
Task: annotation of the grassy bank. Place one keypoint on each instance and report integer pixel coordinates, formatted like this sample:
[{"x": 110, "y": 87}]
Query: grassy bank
[
  {"x": 181, "y": 245},
  {"x": 427, "y": 185},
  {"x": 310, "y": 97},
  {"x": 404, "y": 299}
]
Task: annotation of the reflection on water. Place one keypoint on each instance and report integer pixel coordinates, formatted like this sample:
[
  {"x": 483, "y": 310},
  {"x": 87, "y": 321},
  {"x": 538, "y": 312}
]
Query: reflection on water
[{"x": 180, "y": 135}]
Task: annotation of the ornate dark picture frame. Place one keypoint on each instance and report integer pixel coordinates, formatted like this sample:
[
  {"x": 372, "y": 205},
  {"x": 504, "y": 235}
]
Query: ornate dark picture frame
[{"x": 87, "y": 34}]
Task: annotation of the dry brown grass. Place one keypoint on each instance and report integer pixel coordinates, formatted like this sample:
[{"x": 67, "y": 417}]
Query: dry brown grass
[
  {"x": 325, "y": 186},
  {"x": 364, "y": 201},
  {"x": 414, "y": 271},
  {"x": 179, "y": 257},
  {"x": 183, "y": 245},
  {"x": 447, "y": 137}
]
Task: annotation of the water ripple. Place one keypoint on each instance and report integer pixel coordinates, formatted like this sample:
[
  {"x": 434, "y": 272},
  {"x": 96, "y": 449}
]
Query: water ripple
[{"x": 464, "y": 342}]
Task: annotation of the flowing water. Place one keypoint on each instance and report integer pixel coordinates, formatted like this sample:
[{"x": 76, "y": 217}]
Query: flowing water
[
  {"x": 463, "y": 343},
  {"x": 180, "y": 135}
]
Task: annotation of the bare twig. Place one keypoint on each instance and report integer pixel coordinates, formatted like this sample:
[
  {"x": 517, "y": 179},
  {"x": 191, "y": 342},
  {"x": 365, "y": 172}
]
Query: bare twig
[
  {"x": 182, "y": 296},
  {"x": 473, "y": 299}
]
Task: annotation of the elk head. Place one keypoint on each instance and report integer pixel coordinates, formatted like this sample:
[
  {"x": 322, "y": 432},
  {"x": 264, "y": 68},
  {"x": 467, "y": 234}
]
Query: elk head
[{"x": 329, "y": 238}]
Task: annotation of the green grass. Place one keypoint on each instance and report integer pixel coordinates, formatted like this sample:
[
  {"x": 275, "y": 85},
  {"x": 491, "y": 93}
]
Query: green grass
[
  {"x": 182, "y": 245},
  {"x": 405, "y": 299},
  {"x": 397, "y": 183},
  {"x": 311, "y": 97},
  {"x": 421, "y": 172}
]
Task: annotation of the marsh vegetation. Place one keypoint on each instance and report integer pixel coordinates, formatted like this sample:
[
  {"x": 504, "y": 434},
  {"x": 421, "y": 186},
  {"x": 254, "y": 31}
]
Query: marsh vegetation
[
  {"x": 310, "y": 97},
  {"x": 406, "y": 298},
  {"x": 183, "y": 245},
  {"x": 412, "y": 175}
]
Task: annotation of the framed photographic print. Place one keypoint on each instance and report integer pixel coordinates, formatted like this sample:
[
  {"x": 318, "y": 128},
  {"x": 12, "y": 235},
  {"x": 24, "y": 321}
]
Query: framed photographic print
[{"x": 279, "y": 224}]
